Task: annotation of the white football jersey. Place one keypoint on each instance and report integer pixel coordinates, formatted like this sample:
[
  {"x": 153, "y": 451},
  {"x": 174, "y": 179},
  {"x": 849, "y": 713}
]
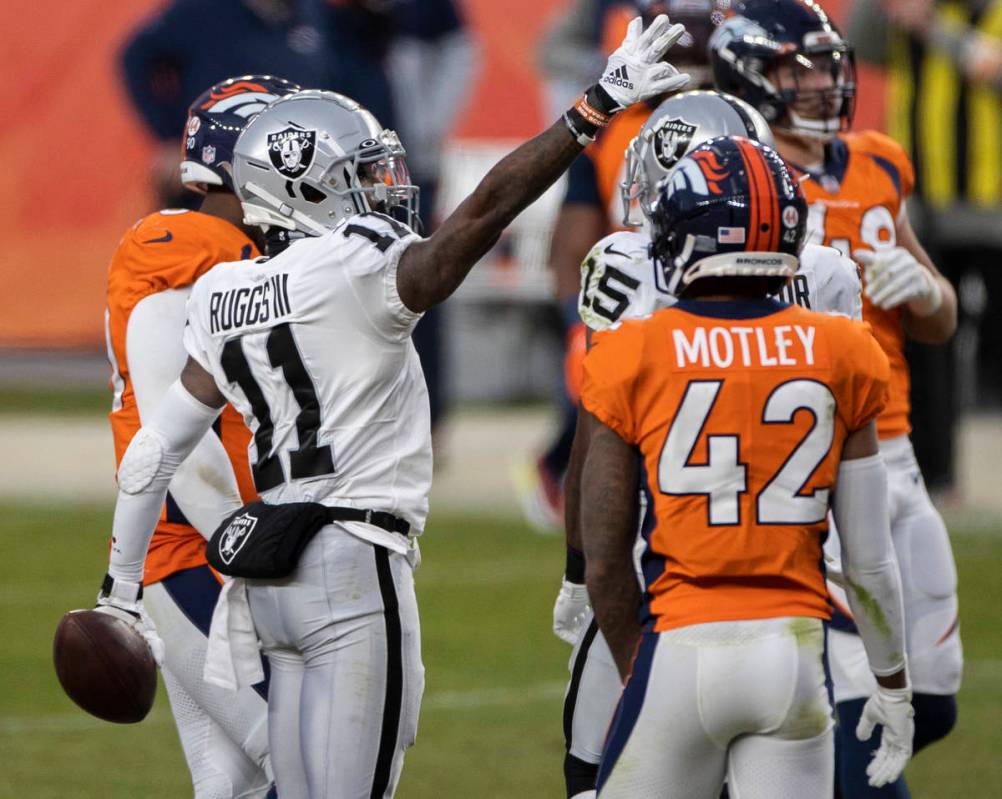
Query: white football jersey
[
  {"x": 619, "y": 280},
  {"x": 313, "y": 348}
]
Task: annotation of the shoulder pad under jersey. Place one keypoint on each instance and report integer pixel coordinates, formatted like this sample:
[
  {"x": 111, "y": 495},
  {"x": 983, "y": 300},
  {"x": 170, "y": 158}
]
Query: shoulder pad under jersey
[{"x": 619, "y": 281}]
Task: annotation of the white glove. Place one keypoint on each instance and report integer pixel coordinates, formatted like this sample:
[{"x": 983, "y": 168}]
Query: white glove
[
  {"x": 121, "y": 602},
  {"x": 570, "y": 611},
  {"x": 892, "y": 709},
  {"x": 635, "y": 71},
  {"x": 894, "y": 277}
]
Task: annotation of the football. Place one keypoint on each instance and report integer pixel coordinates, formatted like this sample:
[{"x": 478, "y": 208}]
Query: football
[{"x": 105, "y": 666}]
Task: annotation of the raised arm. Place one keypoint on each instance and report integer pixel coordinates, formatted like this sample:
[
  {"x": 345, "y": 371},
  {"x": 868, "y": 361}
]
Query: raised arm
[{"x": 431, "y": 270}]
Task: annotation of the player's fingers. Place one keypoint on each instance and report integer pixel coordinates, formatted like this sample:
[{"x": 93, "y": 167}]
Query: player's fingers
[
  {"x": 634, "y": 31},
  {"x": 864, "y": 257},
  {"x": 867, "y": 722},
  {"x": 662, "y": 43},
  {"x": 672, "y": 82}
]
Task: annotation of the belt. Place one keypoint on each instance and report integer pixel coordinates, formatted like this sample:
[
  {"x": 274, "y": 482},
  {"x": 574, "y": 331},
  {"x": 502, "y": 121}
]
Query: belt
[{"x": 380, "y": 518}]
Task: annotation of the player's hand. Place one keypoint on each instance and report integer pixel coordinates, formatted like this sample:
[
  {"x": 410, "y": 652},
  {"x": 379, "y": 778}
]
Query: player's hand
[
  {"x": 120, "y": 599},
  {"x": 894, "y": 277},
  {"x": 570, "y": 611},
  {"x": 892, "y": 709},
  {"x": 635, "y": 71}
]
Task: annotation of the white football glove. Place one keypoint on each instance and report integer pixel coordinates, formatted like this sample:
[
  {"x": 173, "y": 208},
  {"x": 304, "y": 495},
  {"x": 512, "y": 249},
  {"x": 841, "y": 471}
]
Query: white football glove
[
  {"x": 635, "y": 71},
  {"x": 894, "y": 276},
  {"x": 121, "y": 602},
  {"x": 892, "y": 709},
  {"x": 570, "y": 611}
]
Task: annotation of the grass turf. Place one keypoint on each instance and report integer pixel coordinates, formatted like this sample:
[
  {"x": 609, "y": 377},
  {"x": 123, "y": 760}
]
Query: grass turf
[{"x": 491, "y": 719}]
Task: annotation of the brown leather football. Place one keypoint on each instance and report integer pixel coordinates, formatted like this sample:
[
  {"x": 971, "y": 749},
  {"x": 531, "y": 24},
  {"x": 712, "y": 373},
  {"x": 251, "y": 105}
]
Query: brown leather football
[{"x": 105, "y": 666}]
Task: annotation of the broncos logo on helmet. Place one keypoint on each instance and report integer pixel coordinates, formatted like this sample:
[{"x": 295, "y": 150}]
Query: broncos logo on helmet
[
  {"x": 730, "y": 208},
  {"x": 215, "y": 121}
]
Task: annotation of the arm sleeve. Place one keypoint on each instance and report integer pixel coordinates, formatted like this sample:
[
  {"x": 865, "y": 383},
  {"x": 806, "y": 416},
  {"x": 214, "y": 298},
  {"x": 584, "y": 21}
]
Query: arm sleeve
[
  {"x": 146, "y": 470},
  {"x": 610, "y": 375},
  {"x": 204, "y": 486},
  {"x": 868, "y": 561},
  {"x": 843, "y": 291}
]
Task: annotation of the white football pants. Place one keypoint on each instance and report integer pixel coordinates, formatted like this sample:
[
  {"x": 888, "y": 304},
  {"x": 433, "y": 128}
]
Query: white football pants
[
  {"x": 223, "y": 733},
  {"x": 928, "y": 585},
  {"x": 592, "y": 694},
  {"x": 344, "y": 643},
  {"x": 746, "y": 701}
]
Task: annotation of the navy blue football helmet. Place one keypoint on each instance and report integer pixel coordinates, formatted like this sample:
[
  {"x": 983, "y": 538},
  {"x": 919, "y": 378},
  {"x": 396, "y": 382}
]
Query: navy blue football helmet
[
  {"x": 216, "y": 119},
  {"x": 787, "y": 59},
  {"x": 730, "y": 208}
]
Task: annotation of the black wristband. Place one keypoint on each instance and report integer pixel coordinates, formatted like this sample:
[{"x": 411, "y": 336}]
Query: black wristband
[
  {"x": 574, "y": 569},
  {"x": 599, "y": 99},
  {"x": 581, "y": 129}
]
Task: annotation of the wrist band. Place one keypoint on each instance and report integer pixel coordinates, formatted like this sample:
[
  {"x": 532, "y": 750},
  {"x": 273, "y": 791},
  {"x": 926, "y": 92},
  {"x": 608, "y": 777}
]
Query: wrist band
[
  {"x": 574, "y": 570},
  {"x": 585, "y": 119}
]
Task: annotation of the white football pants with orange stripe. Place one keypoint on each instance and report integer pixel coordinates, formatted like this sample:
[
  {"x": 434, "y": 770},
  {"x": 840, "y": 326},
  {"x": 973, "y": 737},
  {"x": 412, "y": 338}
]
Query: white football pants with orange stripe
[
  {"x": 745, "y": 700},
  {"x": 223, "y": 733}
]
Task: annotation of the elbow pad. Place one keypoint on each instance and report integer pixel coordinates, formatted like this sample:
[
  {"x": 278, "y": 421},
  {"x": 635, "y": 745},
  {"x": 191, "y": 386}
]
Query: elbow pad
[{"x": 873, "y": 582}]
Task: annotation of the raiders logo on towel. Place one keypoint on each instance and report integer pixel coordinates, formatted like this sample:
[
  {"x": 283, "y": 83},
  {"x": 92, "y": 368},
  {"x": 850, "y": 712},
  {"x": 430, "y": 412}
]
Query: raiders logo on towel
[
  {"x": 291, "y": 151},
  {"x": 671, "y": 140},
  {"x": 235, "y": 536}
]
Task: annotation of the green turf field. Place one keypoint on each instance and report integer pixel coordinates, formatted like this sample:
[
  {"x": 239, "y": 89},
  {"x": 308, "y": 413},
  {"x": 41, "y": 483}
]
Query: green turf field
[{"x": 490, "y": 724}]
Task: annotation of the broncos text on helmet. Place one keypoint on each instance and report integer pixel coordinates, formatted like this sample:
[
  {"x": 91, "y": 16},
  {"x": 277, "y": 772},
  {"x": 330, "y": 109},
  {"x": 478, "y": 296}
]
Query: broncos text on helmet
[
  {"x": 678, "y": 125},
  {"x": 787, "y": 58},
  {"x": 216, "y": 119},
  {"x": 730, "y": 208}
]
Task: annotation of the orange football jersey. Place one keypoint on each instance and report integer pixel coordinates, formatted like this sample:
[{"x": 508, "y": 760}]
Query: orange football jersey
[
  {"x": 169, "y": 250},
  {"x": 739, "y": 411},
  {"x": 854, "y": 207}
]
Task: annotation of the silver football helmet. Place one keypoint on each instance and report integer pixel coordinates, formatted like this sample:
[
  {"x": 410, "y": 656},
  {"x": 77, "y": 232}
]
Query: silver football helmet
[
  {"x": 678, "y": 125},
  {"x": 314, "y": 158}
]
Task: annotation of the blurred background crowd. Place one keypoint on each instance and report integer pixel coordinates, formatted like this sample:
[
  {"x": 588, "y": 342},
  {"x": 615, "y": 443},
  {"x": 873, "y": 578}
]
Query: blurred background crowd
[{"x": 92, "y": 130}]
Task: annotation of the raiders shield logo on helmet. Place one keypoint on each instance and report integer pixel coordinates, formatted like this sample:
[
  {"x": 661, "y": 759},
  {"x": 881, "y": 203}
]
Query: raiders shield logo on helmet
[
  {"x": 291, "y": 151},
  {"x": 671, "y": 141},
  {"x": 235, "y": 536}
]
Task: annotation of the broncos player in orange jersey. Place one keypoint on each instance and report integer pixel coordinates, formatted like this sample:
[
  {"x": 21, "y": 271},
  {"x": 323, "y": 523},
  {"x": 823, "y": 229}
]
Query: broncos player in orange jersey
[
  {"x": 223, "y": 733},
  {"x": 743, "y": 419},
  {"x": 786, "y": 58}
]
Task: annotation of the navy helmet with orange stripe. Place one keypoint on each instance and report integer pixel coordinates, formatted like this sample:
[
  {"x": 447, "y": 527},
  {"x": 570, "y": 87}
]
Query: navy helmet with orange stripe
[
  {"x": 215, "y": 121},
  {"x": 731, "y": 208}
]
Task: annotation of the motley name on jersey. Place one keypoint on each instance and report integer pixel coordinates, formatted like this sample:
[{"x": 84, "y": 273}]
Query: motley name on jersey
[
  {"x": 788, "y": 345},
  {"x": 250, "y": 306}
]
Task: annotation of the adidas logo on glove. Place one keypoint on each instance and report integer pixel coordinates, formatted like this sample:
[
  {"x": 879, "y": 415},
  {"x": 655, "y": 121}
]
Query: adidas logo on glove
[{"x": 618, "y": 77}]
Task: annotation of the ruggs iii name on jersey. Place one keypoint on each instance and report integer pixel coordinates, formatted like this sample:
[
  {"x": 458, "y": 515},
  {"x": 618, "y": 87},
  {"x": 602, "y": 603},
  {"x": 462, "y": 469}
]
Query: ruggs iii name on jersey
[{"x": 249, "y": 306}]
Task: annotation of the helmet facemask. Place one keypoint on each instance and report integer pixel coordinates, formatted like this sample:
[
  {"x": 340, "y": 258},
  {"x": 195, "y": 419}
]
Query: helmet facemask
[{"x": 812, "y": 108}]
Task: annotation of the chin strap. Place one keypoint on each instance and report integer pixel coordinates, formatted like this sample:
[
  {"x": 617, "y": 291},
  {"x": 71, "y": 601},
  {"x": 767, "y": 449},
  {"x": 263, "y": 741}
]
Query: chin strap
[{"x": 280, "y": 214}]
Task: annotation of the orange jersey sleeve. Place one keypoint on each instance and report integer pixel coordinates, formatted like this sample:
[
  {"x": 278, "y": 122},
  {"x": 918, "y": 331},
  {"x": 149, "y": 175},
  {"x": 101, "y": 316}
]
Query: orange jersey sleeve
[
  {"x": 740, "y": 421},
  {"x": 856, "y": 205},
  {"x": 169, "y": 250}
]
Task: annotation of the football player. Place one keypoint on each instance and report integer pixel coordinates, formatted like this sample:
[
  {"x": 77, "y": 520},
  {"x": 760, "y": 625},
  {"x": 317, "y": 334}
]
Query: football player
[
  {"x": 619, "y": 281},
  {"x": 786, "y": 58},
  {"x": 223, "y": 734},
  {"x": 736, "y": 414},
  {"x": 313, "y": 347},
  {"x": 589, "y": 211}
]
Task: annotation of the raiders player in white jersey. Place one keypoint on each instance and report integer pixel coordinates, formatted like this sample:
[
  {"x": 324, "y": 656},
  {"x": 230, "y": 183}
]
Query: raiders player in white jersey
[
  {"x": 619, "y": 280},
  {"x": 313, "y": 347}
]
